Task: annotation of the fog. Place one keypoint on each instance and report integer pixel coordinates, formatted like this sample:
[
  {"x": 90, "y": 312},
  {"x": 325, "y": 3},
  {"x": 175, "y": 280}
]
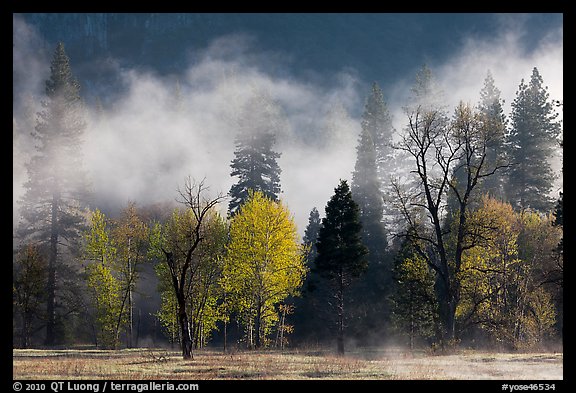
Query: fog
[{"x": 143, "y": 142}]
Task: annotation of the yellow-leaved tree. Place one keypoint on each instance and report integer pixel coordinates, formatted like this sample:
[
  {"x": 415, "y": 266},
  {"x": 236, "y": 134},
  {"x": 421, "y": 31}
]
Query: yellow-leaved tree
[
  {"x": 264, "y": 264},
  {"x": 104, "y": 286},
  {"x": 501, "y": 284}
]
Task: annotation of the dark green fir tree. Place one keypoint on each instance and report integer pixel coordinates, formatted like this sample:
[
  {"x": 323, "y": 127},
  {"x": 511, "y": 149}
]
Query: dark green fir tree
[
  {"x": 341, "y": 254},
  {"x": 531, "y": 143},
  {"x": 254, "y": 160}
]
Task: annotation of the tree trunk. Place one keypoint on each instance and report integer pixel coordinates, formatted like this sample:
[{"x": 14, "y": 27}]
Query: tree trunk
[
  {"x": 340, "y": 306},
  {"x": 225, "y": 335},
  {"x": 130, "y": 300},
  {"x": 51, "y": 288},
  {"x": 257, "y": 325},
  {"x": 185, "y": 330}
]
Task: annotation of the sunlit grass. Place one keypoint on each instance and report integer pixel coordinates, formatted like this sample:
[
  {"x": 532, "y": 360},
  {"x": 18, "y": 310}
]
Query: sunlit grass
[{"x": 159, "y": 364}]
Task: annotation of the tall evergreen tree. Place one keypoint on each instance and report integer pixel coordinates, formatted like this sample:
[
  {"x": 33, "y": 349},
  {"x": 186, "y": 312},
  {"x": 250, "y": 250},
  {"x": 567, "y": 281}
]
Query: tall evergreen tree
[
  {"x": 494, "y": 119},
  {"x": 255, "y": 162},
  {"x": 341, "y": 254},
  {"x": 372, "y": 162},
  {"x": 366, "y": 184},
  {"x": 311, "y": 235},
  {"x": 531, "y": 143},
  {"x": 56, "y": 190},
  {"x": 376, "y": 120}
]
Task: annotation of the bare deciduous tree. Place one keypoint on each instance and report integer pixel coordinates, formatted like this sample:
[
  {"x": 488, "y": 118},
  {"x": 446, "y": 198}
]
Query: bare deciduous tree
[
  {"x": 178, "y": 248},
  {"x": 440, "y": 147}
]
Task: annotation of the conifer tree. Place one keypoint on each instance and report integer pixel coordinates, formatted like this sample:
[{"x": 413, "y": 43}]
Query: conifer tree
[
  {"x": 311, "y": 235},
  {"x": 494, "y": 121},
  {"x": 255, "y": 162},
  {"x": 341, "y": 254},
  {"x": 372, "y": 167},
  {"x": 55, "y": 193},
  {"x": 531, "y": 143}
]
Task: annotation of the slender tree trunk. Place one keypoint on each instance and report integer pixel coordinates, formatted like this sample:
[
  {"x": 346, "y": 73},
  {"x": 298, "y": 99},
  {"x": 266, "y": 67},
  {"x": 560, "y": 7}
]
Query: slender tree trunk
[
  {"x": 283, "y": 321},
  {"x": 138, "y": 328},
  {"x": 258, "y": 325},
  {"x": 185, "y": 330},
  {"x": 412, "y": 322},
  {"x": 130, "y": 300},
  {"x": 225, "y": 326},
  {"x": 340, "y": 306},
  {"x": 51, "y": 287},
  {"x": 225, "y": 335},
  {"x": 26, "y": 330}
]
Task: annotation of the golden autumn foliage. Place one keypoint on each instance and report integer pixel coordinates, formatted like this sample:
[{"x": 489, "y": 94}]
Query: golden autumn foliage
[
  {"x": 263, "y": 266},
  {"x": 500, "y": 275},
  {"x": 105, "y": 288}
]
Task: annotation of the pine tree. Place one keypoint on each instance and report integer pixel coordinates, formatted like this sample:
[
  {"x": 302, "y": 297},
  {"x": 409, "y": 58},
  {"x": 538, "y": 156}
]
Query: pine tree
[
  {"x": 376, "y": 120},
  {"x": 372, "y": 161},
  {"x": 255, "y": 162},
  {"x": 494, "y": 119},
  {"x": 341, "y": 254},
  {"x": 531, "y": 143},
  {"x": 367, "y": 195},
  {"x": 56, "y": 189},
  {"x": 311, "y": 235}
]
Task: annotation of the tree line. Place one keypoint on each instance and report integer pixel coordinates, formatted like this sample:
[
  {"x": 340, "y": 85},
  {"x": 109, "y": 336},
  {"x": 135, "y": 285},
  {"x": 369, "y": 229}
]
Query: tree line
[{"x": 446, "y": 234}]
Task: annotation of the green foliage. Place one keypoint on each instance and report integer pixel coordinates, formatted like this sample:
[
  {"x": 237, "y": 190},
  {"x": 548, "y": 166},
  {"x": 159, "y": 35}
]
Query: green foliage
[
  {"x": 98, "y": 246},
  {"x": 414, "y": 306},
  {"x": 311, "y": 236},
  {"x": 264, "y": 264},
  {"x": 341, "y": 254},
  {"x": 202, "y": 292},
  {"x": 494, "y": 121},
  {"x": 372, "y": 153},
  {"x": 340, "y": 249},
  {"x": 131, "y": 239},
  {"x": 28, "y": 291},
  {"x": 167, "y": 314},
  {"x": 254, "y": 160},
  {"x": 105, "y": 288},
  {"x": 372, "y": 171},
  {"x": 531, "y": 143},
  {"x": 107, "y": 301},
  {"x": 52, "y": 208}
]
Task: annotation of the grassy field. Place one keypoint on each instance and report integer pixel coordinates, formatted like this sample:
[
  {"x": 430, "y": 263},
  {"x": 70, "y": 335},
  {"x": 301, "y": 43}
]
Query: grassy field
[{"x": 159, "y": 364}]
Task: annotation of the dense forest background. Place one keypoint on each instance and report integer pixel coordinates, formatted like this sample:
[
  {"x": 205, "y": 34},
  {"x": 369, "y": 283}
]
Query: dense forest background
[{"x": 230, "y": 203}]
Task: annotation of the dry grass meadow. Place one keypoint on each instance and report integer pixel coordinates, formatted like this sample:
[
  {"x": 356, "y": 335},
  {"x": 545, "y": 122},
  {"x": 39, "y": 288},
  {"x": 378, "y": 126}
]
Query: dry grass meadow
[{"x": 160, "y": 364}]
